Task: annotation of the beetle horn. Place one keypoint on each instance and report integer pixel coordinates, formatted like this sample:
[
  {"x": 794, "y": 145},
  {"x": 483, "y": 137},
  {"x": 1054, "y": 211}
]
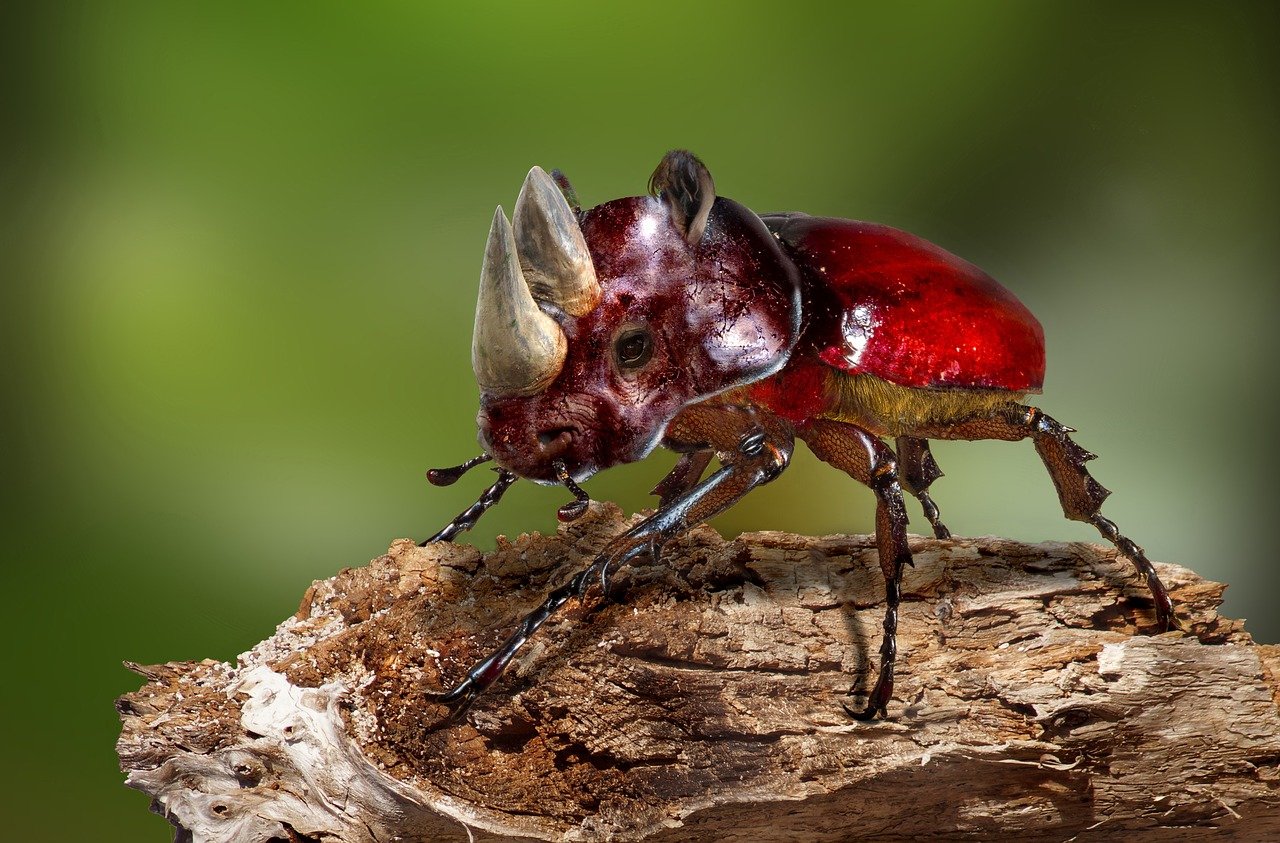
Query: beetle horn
[
  {"x": 553, "y": 252},
  {"x": 516, "y": 348}
]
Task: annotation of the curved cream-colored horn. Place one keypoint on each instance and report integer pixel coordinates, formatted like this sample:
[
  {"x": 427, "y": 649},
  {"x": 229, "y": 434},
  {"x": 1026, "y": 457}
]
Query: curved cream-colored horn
[
  {"x": 516, "y": 348},
  {"x": 553, "y": 252}
]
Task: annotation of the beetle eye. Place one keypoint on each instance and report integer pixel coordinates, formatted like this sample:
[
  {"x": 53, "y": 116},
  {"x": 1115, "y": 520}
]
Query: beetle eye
[{"x": 633, "y": 349}]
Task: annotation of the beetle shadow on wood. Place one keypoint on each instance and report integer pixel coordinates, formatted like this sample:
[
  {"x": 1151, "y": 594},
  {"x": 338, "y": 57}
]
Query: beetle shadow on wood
[{"x": 653, "y": 603}]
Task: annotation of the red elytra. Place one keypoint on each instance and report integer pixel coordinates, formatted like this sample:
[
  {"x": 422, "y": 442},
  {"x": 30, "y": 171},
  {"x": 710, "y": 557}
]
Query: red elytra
[{"x": 907, "y": 311}]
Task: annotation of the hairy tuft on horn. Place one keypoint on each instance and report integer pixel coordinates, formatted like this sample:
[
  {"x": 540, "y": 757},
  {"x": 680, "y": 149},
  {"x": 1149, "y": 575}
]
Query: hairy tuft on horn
[
  {"x": 553, "y": 252},
  {"x": 516, "y": 348}
]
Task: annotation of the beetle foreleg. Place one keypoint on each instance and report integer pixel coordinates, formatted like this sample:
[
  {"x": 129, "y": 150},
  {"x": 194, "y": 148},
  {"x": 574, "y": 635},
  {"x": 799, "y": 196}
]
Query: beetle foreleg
[
  {"x": 486, "y": 672},
  {"x": 751, "y": 455},
  {"x": 758, "y": 457},
  {"x": 868, "y": 460},
  {"x": 919, "y": 470},
  {"x": 469, "y": 516}
]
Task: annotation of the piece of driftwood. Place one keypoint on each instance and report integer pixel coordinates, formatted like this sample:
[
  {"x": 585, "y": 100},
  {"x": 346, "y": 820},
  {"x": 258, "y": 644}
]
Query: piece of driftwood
[{"x": 705, "y": 702}]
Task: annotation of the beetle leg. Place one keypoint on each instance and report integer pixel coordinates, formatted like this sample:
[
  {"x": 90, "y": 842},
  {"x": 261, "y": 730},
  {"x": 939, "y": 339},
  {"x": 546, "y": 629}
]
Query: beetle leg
[
  {"x": 754, "y": 447},
  {"x": 919, "y": 470},
  {"x": 869, "y": 461},
  {"x": 469, "y": 516},
  {"x": 759, "y": 462},
  {"x": 1081, "y": 496},
  {"x": 686, "y": 473},
  {"x": 758, "y": 456},
  {"x": 486, "y": 672}
]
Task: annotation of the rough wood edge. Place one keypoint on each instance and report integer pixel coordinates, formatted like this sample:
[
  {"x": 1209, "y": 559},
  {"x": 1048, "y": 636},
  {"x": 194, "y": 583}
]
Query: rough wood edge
[{"x": 706, "y": 705}]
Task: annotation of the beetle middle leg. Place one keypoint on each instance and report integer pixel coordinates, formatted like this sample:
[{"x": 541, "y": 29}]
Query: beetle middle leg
[
  {"x": 919, "y": 470},
  {"x": 683, "y": 476},
  {"x": 870, "y": 461},
  {"x": 754, "y": 449}
]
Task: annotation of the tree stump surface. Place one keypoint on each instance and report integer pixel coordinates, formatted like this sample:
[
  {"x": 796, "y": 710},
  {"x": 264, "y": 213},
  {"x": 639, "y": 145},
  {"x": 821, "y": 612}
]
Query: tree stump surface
[{"x": 705, "y": 702}]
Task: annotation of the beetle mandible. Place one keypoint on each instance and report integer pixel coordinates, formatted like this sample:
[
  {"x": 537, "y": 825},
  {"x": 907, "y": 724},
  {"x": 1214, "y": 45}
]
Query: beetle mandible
[{"x": 683, "y": 319}]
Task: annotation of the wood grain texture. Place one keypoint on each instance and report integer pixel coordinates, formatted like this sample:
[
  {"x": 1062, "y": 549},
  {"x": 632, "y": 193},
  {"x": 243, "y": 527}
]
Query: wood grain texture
[{"x": 705, "y": 702}]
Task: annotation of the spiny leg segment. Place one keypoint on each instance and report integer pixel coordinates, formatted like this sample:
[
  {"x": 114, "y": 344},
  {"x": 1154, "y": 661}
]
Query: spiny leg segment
[{"x": 1081, "y": 496}]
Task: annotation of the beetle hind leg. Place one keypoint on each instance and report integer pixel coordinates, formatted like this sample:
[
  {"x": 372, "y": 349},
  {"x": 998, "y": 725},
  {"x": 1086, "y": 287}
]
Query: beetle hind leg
[
  {"x": 919, "y": 470},
  {"x": 1082, "y": 498}
]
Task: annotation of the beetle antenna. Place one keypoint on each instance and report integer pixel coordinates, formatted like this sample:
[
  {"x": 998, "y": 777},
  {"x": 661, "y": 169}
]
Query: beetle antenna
[
  {"x": 449, "y": 476},
  {"x": 570, "y": 511}
]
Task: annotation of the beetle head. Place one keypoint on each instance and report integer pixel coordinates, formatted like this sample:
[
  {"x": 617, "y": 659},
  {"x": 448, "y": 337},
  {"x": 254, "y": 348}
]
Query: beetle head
[{"x": 593, "y": 329}]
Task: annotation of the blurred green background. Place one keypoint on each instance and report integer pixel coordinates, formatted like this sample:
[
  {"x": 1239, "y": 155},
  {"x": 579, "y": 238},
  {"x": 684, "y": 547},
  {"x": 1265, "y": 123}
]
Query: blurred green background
[{"x": 239, "y": 248}]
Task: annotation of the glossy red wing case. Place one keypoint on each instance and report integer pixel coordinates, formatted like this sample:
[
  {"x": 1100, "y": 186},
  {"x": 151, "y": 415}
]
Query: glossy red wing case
[{"x": 887, "y": 303}]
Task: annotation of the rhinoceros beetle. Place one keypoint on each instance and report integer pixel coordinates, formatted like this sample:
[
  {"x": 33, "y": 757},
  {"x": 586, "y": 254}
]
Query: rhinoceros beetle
[{"x": 683, "y": 319}]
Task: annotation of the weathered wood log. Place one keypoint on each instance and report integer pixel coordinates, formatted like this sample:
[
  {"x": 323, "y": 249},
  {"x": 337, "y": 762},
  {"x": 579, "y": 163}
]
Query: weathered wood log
[{"x": 705, "y": 702}]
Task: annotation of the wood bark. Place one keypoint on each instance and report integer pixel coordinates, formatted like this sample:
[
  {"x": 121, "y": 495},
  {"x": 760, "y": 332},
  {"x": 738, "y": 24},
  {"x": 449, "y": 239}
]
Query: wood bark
[{"x": 705, "y": 702}]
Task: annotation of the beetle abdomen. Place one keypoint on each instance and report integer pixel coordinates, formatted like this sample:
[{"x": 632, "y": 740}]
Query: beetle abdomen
[
  {"x": 888, "y": 409},
  {"x": 886, "y": 303}
]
